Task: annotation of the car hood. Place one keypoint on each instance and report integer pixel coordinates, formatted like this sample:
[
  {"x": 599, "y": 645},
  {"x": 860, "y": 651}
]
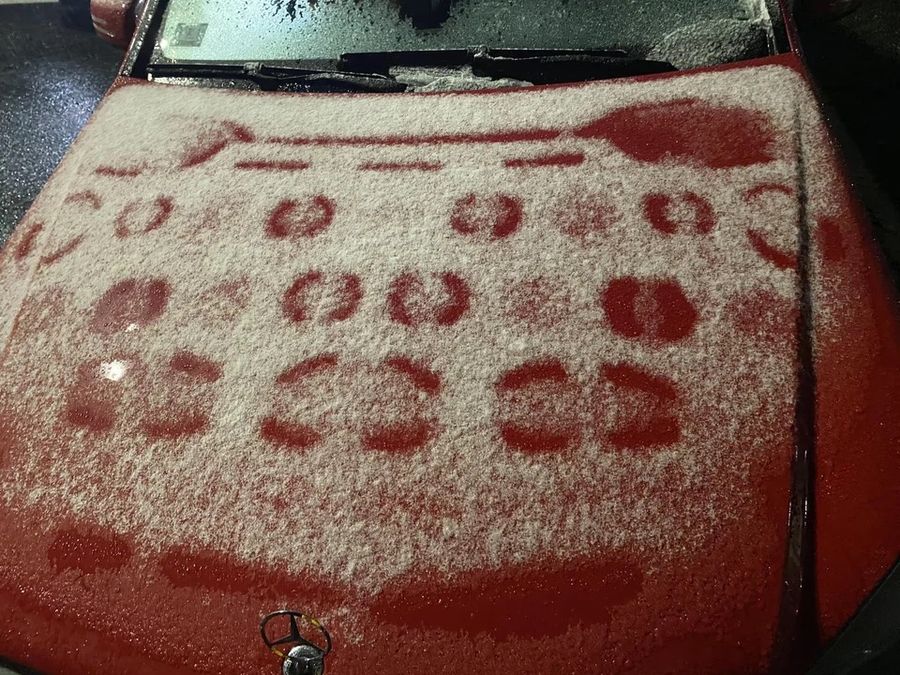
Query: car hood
[{"x": 511, "y": 381}]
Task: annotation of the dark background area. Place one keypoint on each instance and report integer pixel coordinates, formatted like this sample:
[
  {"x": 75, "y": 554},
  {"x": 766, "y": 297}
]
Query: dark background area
[
  {"x": 51, "y": 78},
  {"x": 52, "y": 75},
  {"x": 855, "y": 62}
]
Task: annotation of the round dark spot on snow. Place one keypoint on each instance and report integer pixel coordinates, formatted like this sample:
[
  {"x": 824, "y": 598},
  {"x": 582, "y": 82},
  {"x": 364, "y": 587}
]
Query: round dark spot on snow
[{"x": 132, "y": 302}]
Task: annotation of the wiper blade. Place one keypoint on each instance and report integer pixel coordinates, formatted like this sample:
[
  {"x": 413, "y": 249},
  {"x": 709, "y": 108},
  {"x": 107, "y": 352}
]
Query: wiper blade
[
  {"x": 273, "y": 77},
  {"x": 534, "y": 65},
  {"x": 377, "y": 61},
  {"x": 549, "y": 68},
  {"x": 381, "y": 61}
]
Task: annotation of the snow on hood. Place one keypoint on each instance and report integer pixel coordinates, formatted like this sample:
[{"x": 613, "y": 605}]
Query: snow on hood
[{"x": 421, "y": 365}]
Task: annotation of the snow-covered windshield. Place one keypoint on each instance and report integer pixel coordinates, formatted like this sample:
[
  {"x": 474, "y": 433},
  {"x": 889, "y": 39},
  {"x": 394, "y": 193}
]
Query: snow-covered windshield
[{"x": 278, "y": 30}]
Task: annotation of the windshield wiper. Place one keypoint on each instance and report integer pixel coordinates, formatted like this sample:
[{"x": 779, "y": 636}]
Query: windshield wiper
[
  {"x": 274, "y": 77},
  {"x": 539, "y": 66}
]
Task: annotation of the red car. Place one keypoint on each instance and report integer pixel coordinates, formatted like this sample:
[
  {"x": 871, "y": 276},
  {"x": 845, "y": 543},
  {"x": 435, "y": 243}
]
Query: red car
[
  {"x": 338, "y": 338},
  {"x": 115, "y": 20}
]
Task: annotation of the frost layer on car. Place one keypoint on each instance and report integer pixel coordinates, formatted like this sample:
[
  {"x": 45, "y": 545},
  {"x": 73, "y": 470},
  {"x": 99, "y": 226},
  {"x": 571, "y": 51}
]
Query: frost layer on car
[
  {"x": 711, "y": 43},
  {"x": 514, "y": 374},
  {"x": 207, "y": 29}
]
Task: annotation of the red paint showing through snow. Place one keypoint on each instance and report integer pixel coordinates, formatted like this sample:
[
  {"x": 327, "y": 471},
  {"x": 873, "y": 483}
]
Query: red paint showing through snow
[
  {"x": 420, "y": 376},
  {"x": 196, "y": 366},
  {"x": 139, "y": 217},
  {"x": 653, "y": 310},
  {"x": 271, "y": 165},
  {"x": 646, "y": 407},
  {"x": 512, "y": 136},
  {"x": 683, "y": 130},
  {"x": 493, "y": 216},
  {"x": 184, "y": 408},
  {"x": 781, "y": 259},
  {"x": 304, "y": 369},
  {"x": 288, "y": 434},
  {"x": 118, "y": 172},
  {"x": 537, "y": 408},
  {"x": 344, "y": 292},
  {"x": 415, "y": 428},
  {"x": 688, "y": 131},
  {"x": 533, "y": 600},
  {"x": 62, "y": 252},
  {"x": 400, "y": 166},
  {"x": 300, "y": 218},
  {"x": 88, "y": 552},
  {"x": 763, "y": 188},
  {"x": 399, "y": 437},
  {"x": 291, "y": 434},
  {"x": 411, "y": 302},
  {"x": 175, "y": 425},
  {"x": 130, "y": 302},
  {"x": 830, "y": 239},
  {"x": 537, "y": 371},
  {"x": 26, "y": 245},
  {"x": 198, "y": 569},
  {"x": 85, "y": 197},
  {"x": 658, "y": 211},
  {"x": 559, "y": 159},
  {"x": 93, "y": 401}
]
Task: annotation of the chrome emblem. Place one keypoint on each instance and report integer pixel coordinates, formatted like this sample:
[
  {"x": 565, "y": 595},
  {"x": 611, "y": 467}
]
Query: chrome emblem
[{"x": 299, "y": 655}]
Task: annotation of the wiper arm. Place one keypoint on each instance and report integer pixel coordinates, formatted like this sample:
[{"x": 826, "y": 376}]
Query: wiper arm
[
  {"x": 534, "y": 65},
  {"x": 273, "y": 77}
]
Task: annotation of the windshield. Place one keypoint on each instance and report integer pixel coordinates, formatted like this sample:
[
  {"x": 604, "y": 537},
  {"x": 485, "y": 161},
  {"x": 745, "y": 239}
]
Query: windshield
[{"x": 322, "y": 30}]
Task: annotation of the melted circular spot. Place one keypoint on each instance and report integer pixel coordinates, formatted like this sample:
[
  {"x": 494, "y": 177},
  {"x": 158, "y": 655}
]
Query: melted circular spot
[
  {"x": 303, "y": 396},
  {"x": 176, "y": 399},
  {"x": 441, "y": 299},
  {"x": 586, "y": 217},
  {"x": 539, "y": 408},
  {"x": 687, "y": 212},
  {"x": 42, "y": 312},
  {"x": 654, "y": 310},
  {"x": 400, "y": 415},
  {"x": 142, "y": 215},
  {"x": 538, "y": 303},
  {"x": 325, "y": 298},
  {"x": 636, "y": 409},
  {"x": 132, "y": 302},
  {"x": 92, "y": 402},
  {"x": 487, "y": 217},
  {"x": 300, "y": 218}
]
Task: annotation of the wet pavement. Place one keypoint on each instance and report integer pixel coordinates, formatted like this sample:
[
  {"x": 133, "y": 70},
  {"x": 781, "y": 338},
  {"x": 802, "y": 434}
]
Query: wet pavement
[{"x": 52, "y": 76}]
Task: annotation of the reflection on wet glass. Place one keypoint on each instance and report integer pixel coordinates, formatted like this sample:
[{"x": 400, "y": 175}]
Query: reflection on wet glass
[{"x": 323, "y": 29}]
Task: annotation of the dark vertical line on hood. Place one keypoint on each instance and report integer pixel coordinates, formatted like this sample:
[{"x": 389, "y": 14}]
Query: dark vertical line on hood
[{"x": 797, "y": 638}]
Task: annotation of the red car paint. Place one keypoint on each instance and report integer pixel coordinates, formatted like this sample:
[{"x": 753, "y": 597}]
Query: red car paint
[
  {"x": 857, "y": 436},
  {"x": 115, "y": 20}
]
